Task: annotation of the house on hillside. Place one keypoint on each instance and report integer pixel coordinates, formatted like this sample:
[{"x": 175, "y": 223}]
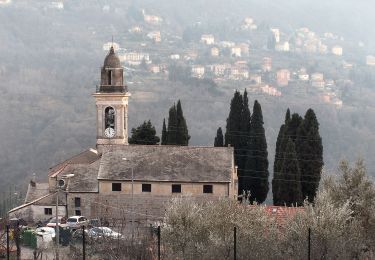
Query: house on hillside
[
  {"x": 135, "y": 58},
  {"x": 337, "y": 50},
  {"x": 197, "y": 71},
  {"x": 215, "y": 51},
  {"x": 155, "y": 36},
  {"x": 283, "y": 77},
  {"x": 151, "y": 19},
  {"x": 208, "y": 39},
  {"x": 235, "y": 51},
  {"x": 267, "y": 64}
]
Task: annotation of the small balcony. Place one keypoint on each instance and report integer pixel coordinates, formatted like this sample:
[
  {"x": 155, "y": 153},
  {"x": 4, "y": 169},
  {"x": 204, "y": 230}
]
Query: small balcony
[{"x": 111, "y": 89}]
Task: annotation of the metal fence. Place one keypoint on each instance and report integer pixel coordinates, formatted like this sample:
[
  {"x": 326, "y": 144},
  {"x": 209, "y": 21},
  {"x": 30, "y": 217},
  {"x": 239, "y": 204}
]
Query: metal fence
[{"x": 129, "y": 242}]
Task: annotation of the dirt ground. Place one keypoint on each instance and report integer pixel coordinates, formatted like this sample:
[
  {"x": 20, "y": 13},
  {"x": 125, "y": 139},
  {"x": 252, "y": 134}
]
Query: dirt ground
[{"x": 28, "y": 254}]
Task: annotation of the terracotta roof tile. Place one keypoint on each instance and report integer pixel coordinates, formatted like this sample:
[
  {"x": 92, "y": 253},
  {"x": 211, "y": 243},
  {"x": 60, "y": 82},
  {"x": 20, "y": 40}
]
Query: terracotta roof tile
[{"x": 281, "y": 213}]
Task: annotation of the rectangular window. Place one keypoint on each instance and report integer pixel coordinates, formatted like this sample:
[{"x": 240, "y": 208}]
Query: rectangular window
[
  {"x": 78, "y": 212},
  {"x": 77, "y": 202},
  {"x": 116, "y": 186},
  {"x": 207, "y": 188},
  {"x": 146, "y": 187},
  {"x": 176, "y": 188},
  {"x": 47, "y": 211}
]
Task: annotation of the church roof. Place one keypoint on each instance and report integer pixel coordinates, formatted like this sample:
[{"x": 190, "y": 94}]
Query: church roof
[
  {"x": 36, "y": 191},
  {"x": 167, "y": 163},
  {"x": 112, "y": 60},
  {"x": 85, "y": 177},
  {"x": 39, "y": 194},
  {"x": 87, "y": 157},
  {"x": 149, "y": 163}
]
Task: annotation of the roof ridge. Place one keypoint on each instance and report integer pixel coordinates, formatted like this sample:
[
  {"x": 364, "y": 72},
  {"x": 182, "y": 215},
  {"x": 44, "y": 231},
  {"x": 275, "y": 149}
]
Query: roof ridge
[
  {"x": 69, "y": 161},
  {"x": 31, "y": 202}
]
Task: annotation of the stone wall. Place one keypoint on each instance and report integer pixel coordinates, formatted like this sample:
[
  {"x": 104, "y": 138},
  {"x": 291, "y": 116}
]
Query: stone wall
[{"x": 147, "y": 209}]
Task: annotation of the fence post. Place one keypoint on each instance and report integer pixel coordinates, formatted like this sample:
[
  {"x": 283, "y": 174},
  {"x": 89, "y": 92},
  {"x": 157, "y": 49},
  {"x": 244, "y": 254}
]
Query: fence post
[
  {"x": 309, "y": 245},
  {"x": 83, "y": 243},
  {"x": 235, "y": 243},
  {"x": 8, "y": 242},
  {"x": 159, "y": 242}
]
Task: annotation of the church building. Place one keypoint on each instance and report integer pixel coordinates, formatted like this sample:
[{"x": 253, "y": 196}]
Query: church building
[{"x": 117, "y": 180}]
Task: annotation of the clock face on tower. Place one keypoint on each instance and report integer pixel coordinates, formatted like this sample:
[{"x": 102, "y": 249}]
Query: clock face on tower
[{"x": 109, "y": 132}]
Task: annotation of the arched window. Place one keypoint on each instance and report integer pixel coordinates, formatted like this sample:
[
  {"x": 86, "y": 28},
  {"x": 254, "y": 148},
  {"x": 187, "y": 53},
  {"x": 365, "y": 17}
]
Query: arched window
[
  {"x": 110, "y": 77},
  {"x": 109, "y": 117}
]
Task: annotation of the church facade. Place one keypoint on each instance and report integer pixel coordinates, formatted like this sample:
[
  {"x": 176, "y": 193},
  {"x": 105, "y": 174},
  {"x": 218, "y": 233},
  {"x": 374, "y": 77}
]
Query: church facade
[{"x": 117, "y": 180}]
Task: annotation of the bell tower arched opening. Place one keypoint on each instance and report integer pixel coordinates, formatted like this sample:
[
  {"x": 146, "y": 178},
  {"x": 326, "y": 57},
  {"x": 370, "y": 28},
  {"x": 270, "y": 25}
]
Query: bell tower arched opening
[
  {"x": 109, "y": 77},
  {"x": 109, "y": 117}
]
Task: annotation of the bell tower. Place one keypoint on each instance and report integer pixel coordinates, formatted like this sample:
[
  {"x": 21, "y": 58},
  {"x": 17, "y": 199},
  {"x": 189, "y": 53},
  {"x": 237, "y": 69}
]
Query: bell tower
[{"x": 111, "y": 98}]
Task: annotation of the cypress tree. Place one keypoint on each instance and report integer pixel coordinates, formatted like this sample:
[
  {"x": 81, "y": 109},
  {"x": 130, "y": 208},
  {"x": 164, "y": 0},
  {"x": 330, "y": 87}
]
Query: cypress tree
[
  {"x": 234, "y": 133},
  {"x": 287, "y": 116},
  {"x": 219, "y": 139},
  {"x": 290, "y": 190},
  {"x": 277, "y": 166},
  {"x": 164, "y": 134},
  {"x": 310, "y": 154},
  {"x": 287, "y": 131},
  {"x": 172, "y": 126},
  {"x": 182, "y": 135},
  {"x": 257, "y": 161}
]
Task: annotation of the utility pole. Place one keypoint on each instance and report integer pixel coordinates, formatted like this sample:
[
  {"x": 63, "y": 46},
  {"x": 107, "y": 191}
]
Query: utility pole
[
  {"x": 60, "y": 186},
  {"x": 235, "y": 243},
  {"x": 8, "y": 242},
  {"x": 159, "y": 237},
  {"x": 309, "y": 245},
  {"x": 83, "y": 243},
  {"x": 57, "y": 221},
  {"x": 132, "y": 206}
]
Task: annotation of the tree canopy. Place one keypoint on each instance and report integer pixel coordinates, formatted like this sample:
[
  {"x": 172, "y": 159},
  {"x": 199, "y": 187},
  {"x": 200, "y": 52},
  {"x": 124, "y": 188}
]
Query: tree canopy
[
  {"x": 219, "y": 139},
  {"x": 144, "y": 134},
  {"x": 304, "y": 134},
  {"x": 245, "y": 132},
  {"x": 256, "y": 167},
  {"x": 164, "y": 134},
  {"x": 177, "y": 132}
]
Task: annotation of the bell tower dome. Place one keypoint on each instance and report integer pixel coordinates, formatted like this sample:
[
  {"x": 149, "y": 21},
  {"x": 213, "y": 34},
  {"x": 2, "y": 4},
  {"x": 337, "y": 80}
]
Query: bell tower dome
[{"x": 111, "y": 98}]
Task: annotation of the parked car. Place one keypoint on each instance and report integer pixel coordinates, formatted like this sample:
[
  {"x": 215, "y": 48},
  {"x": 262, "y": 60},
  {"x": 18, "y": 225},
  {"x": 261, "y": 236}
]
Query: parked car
[
  {"x": 76, "y": 222},
  {"x": 52, "y": 221},
  {"x": 94, "y": 223},
  {"x": 103, "y": 232},
  {"x": 14, "y": 222}
]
